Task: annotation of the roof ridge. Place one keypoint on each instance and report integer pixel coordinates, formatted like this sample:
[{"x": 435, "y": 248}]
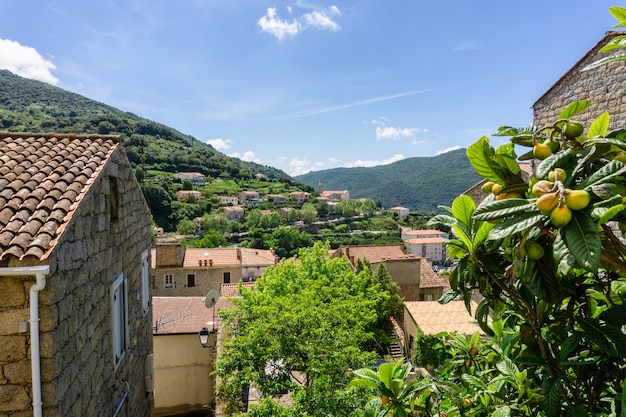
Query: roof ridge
[{"x": 48, "y": 135}]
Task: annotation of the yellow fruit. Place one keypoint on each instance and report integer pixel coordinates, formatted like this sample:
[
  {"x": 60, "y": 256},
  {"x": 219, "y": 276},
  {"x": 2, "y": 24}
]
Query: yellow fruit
[
  {"x": 534, "y": 250},
  {"x": 560, "y": 216},
  {"x": 473, "y": 351},
  {"x": 542, "y": 187},
  {"x": 487, "y": 187},
  {"x": 573, "y": 129},
  {"x": 577, "y": 199},
  {"x": 541, "y": 151},
  {"x": 384, "y": 399},
  {"x": 557, "y": 173},
  {"x": 547, "y": 202},
  {"x": 496, "y": 188}
]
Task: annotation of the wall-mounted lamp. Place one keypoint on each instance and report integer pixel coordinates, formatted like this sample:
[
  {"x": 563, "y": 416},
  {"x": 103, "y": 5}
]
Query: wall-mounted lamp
[{"x": 204, "y": 336}]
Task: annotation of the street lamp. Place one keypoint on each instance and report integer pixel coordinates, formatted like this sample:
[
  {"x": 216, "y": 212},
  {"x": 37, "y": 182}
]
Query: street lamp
[{"x": 204, "y": 336}]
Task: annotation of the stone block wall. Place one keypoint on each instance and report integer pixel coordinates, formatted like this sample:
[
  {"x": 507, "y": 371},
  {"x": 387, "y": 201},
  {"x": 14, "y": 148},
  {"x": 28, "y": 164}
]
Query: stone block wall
[
  {"x": 78, "y": 371},
  {"x": 605, "y": 85},
  {"x": 207, "y": 278}
]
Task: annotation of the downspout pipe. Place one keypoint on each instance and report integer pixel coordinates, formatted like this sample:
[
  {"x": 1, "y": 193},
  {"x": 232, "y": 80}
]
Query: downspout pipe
[{"x": 40, "y": 273}]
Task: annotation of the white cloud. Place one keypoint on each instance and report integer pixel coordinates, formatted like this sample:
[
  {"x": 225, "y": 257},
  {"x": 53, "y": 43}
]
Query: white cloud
[
  {"x": 373, "y": 163},
  {"x": 450, "y": 149},
  {"x": 299, "y": 166},
  {"x": 468, "y": 46},
  {"x": 390, "y": 132},
  {"x": 320, "y": 21},
  {"x": 247, "y": 156},
  {"x": 26, "y": 62},
  {"x": 271, "y": 23},
  {"x": 220, "y": 144},
  {"x": 277, "y": 27}
]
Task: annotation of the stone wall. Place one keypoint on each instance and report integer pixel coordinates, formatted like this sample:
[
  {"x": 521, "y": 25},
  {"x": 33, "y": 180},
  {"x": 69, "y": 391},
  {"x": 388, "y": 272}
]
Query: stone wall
[
  {"x": 207, "y": 278},
  {"x": 605, "y": 85},
  {"x": 78, "y": 371}
]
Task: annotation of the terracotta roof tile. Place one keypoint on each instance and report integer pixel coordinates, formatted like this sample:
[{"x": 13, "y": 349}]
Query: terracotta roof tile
[
  {"x": 432, "y": 317},
  {"x": 42, "y": 178}
]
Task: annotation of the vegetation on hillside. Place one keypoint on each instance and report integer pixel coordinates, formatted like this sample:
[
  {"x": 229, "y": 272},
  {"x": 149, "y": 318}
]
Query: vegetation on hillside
[{"x": 420, "y": 184}]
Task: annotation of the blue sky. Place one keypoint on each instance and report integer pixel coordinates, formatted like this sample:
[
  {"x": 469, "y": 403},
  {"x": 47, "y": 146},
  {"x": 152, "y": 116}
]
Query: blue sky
[{"x": 304, "y": 86}]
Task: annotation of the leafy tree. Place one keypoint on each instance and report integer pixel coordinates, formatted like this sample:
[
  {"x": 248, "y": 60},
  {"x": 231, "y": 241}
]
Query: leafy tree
[
  {"x": 287, "y": 241},
  {"x": 300, "y": 331},
  {"x": 345, "y": 208},
  {"x": 211, "y": 239},
  {"x": 186, "y": 227},
  {"x": 216, "y": 221},
  {"x": 292, "y": 216},
  {"x": 253, "y": 219},
  {"x": 186, "y": 184},
  {"x": 308, "y": 213}
]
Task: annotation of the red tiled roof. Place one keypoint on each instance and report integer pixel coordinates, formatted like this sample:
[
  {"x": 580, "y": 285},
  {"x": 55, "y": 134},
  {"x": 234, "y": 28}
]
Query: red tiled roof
[
  {"x": 432, "y": 317},
  {"x": 43, "y": 178},
  {"x": 225, "y": 257},
  {"x": 427, "y": 240},
  {"x": 184, "y": 315},
  {"x": 375, "y": 253}
]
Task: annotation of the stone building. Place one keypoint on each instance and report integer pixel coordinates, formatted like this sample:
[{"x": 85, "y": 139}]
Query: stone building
[
  {"x": 181, "y": 271},
  {"x": 604, "y": 85},
  {"x": 414, "y": 275},
  {"x": 75, "y": 314}
]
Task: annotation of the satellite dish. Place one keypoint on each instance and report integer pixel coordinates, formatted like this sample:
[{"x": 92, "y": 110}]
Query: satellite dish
[{"x": 211, "y": 298}]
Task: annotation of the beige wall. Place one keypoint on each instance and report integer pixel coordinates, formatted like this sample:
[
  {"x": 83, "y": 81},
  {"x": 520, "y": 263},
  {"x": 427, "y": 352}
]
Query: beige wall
[
  {"x": 206, "y": 279},
  {"x": 405, "y": 273},
  {"x": 182, "y": 373},
  {"x": 410, "y": 334},
  {"x": 79, "y": 377}
]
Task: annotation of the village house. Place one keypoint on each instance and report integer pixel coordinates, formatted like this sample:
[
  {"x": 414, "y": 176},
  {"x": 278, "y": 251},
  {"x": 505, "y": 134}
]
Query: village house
[
  {"x": 406, "y": 270},
  {"x": 75, "y": 309},
  {"x": 335, "y": 195},
  {"x": 196, "y": 178},
  {"x": 431, "y": 317},
  {"x": 187, "y": 194},
  {"x": 407, "y": 234},
  {"x": 234, "y": 213},
  {"x": 228, "y": 199},
  {"x": 432, "y": 248},
  {"x": 403, "y": 212},
  {"x": 300, "y": 197},
  {"x": 275, "y": 199},
  {"x": 248, "y": 198},
  {"x": 182, "y": 364},
  {"x": 181, "y": 271}
]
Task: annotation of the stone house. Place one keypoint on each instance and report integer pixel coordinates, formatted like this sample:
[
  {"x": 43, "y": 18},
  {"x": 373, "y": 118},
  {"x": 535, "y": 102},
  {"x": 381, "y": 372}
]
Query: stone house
[
  {"x": 196, "y": 178},
  {"x": 405, "y": 270},
  {"x": 234, "y": 213},
  {"x": 604, "y": 85},
  {"x": 300, "y": 197},
  {"x": 403, "y": 212},
  {"x": 228, "y": 199},
  {"x": 276, "y": 198},
  {"x": 431, "y": 317},
  {"x": 186, "y": 194},
  {"x": 74, "y": 258},
  {"x": 248, "y": 198},
  {"x": 181, "y": 271}
]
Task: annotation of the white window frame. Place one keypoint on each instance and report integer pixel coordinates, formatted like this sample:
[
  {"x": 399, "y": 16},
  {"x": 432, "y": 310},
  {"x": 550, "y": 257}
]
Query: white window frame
[
  {"x": 119, "y": 318},
  {"x": 171, "y": 279},
  {"x": 145, "y": 282}
]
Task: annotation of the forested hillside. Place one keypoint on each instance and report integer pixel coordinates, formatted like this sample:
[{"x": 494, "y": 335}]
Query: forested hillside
[
  {"x": 33, "y": 106},
  {"x": 420, "y": 183}
]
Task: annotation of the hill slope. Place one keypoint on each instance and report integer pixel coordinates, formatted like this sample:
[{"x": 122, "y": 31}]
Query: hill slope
[
  {"x": 33, "y": 106},
  {"x": 420, "y": 183}
]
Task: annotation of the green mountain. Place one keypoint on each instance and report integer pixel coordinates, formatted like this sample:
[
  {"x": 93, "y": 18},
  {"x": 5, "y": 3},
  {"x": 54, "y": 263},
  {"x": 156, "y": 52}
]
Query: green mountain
[
  {"x": 419, "y": 184},
  {"x": 33, "y": 106}
]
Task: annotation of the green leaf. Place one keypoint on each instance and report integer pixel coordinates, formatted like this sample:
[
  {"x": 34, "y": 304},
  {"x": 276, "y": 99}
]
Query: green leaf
[
  {"x": 575, "y": 108},
  {"x": 462, "y": 208},
  {"x": 608, "y": 190},
  {"x": 570, "y": 344},
  {"x": 483, "y": 232},
  {"x": 551, "y": 162},
  {"x": 608, "y": 214},
  {"x": 474, "y": 382},
  {"x": 603, "y": 175},
  {"x": 618, "y": 13},
  {"x": 583, "y": 240},
  {"x": 618, "y": 42},
  {"x": 476, "y": 153},
  {"x": 599, "y": 126},
  {"x": 544, "y": 282},
  {"x": 515, "y": 224},
  {"x": 607, "y": 141},
  {"x": 606, "y": 336},
  {"x": 504, "y": 411},
  {"x": 503, "y": 208},
  {"x": 450, "y": 295},
  {"x": 615, "y": 315},
  {"x": 482, "y": 314},
  {"x": 385, "y": 374}
]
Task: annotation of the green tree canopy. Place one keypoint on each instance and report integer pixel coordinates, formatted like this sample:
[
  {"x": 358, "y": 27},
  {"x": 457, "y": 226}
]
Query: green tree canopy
[{"x": 301, "y": 331}]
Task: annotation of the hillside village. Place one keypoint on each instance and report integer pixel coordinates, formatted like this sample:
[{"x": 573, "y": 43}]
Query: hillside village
[{"x": 106, "y": 313}]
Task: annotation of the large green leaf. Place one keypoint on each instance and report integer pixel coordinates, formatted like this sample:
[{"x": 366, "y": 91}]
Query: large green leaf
[
  {"x": 609, "y": 190},
  {"x": 503, "y": 208},
  {"x": 619, "y": 13},
  {"x": 618, "y": 42},
  {"x": 599, "y": 126},
  {"x": 563, "y": 257},
  {"x": 604, "y": 174},
  {"x": 544, "y": 282},
  {"x": 608, "y": 337},
  {"x": 574, "y": 108},
  {"x": 607, "y": 141},
  {"x": 462, "y": 208},
  {"x": 506, "y": 157},
  {"x": 476, "y": 153},
  {"x": 483, "y": 232},
  {"x": 583, "y": 240},
  {"x": 515, "y": 224},
  {"x": 504, "y": 411},
  {"x": 554, "y": 160}
]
